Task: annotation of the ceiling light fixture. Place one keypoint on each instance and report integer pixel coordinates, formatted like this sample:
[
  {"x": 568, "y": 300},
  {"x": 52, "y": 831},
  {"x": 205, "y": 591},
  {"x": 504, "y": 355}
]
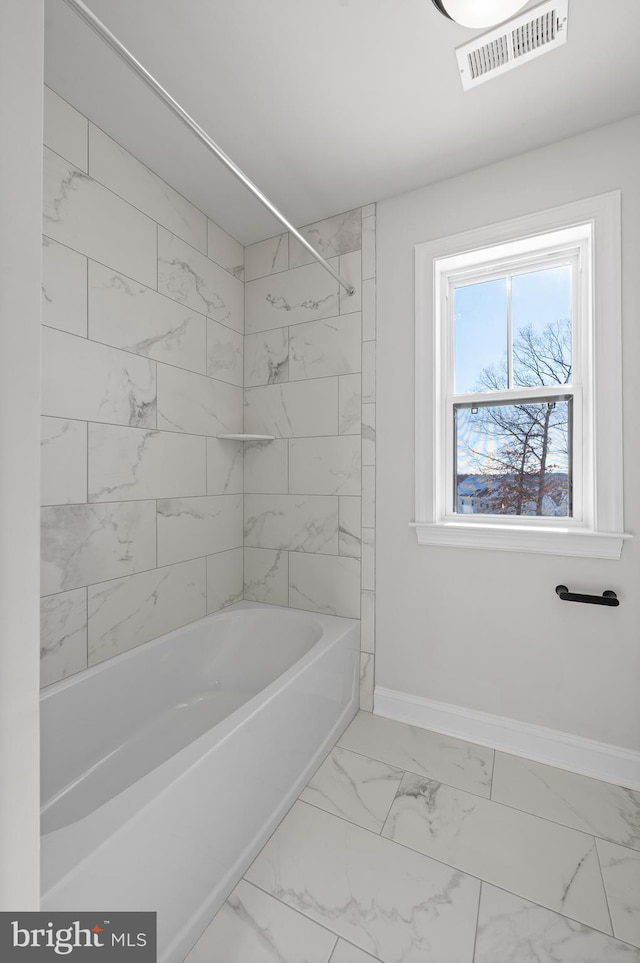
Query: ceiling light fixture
[{"x": 479, "y": 13}]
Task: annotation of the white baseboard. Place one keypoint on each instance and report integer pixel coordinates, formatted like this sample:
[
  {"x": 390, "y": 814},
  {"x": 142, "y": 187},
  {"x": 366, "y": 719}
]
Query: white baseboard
[{"x": 562, "y": 749}]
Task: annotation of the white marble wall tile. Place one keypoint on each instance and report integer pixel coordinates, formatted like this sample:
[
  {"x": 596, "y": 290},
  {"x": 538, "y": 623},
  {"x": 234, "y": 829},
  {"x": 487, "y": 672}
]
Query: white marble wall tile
[
  {"x": 369, "y": 310},
  {"x": 126, "y": 176},
  {"x": 354, "y": 787},
  {"x": 349, "y": 528},
  {"x": 395, "y": 904},
  {"x": 129, "y": 315},
  {"x": 368, "y": 434},
  {"x": 127, "y": 611},
  {"x": 368, "y": 210},
  {"x": 224, "y": 579},
  {"x": 64, "y": 462},
  {"x": 328, "y": 347},
  {"x": 347, "y": 953},
  {"x": 298, "y": 523},
  {"x": 224, "y": 467},
  {"x": 266, "y": 357},
  {"x": 301, "y": 408},
  {"x": 549, "y": 864},
  {"x": 369, "y": 559},
  {"x": 420, "y": 751},
  {"x": 369, "y": 496},
  {"x": 334, "y": 235},
  {"x": 367, "y": 620},
  {"x": 325, "y": 583},
  {"x": 84, "y": 544},
  {"x": 621, "y": 874},
  {"x": 130, "y": 463},
  {"x": 224, "y": 354},
  {"x": 568, "y": 798},
  {"x": 192, "y": 527},
  {"x": 366, "y": 681},
  {"x": 266, "y": 257},
  {"x": 325, "y": 466},
  {"x": 291, "y": 297},
  {"x": 225, "y": 250},
  {"x": 350, "y": 267},
  {"x": 65, "y": 130},
  {"x": 368, "y": 247},
  {"x": 189, "y": 277},
  {"x": 63, "y": 635},
  {"x": 368, "y": 372},
  {"x": 513, "y": 929},
  {"x": 266, "y": 467},
  {"x": 84, "y": 215},
  {"x": 196, "y": 404},
  {"x": 350, "y": 404},
  {"x": 266, "y": 576},
  {"x": 253, "y": 927},
  {"x": 64, "y": 288},
  {"x": 85, "y": 380}
]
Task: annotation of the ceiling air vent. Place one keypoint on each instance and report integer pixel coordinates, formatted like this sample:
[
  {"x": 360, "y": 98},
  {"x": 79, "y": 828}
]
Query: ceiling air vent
[{"x": 512, "y": 43}]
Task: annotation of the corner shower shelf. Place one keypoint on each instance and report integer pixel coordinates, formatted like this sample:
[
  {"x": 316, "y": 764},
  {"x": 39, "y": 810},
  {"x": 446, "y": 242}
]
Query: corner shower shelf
[{"x": 245, "y": 437}]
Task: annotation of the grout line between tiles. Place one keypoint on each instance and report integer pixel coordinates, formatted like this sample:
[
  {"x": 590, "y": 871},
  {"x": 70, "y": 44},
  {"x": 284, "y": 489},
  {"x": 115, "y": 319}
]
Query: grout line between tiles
[
  {"x": 145, "y": 357},
  {"x": 604, "y": 885},
  {"x": 493, "y": 769},
  {"x": 475, "y": 935},
  {"x": 496, "y": 802},
  {"x": 459, "y": 869},
  {"x": 109, "y": 267}
]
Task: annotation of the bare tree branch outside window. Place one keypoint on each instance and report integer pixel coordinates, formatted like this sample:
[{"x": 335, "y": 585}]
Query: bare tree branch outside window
[{"x": 514, "y": 458}]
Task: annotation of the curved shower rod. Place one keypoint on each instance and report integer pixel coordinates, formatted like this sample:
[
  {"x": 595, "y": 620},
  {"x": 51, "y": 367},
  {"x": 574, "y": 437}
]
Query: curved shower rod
[{"x": 112, "y": 41}]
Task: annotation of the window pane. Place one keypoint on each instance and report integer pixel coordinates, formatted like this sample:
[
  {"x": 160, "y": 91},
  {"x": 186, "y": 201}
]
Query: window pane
[
  {"x": 541, "y": 313},
  {"x": 513, "y": 459},
  {"x": 480, "y": 332}
]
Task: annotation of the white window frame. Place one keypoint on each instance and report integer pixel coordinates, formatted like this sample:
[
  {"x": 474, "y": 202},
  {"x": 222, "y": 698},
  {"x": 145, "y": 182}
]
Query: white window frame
[{"x": 588, "y": 230}]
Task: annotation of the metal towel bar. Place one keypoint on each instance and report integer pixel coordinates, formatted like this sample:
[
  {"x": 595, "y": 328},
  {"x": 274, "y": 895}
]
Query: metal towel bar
[{"x": 607, "y": 598}]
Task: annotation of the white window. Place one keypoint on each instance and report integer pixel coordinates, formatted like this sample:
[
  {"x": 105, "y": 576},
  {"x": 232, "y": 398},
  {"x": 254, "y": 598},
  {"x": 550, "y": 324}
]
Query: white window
[{"x": 518, "y": 393}]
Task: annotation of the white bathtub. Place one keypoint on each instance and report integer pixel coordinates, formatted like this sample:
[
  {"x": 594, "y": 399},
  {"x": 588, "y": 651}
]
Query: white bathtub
[{"x": 166, "y": 769}]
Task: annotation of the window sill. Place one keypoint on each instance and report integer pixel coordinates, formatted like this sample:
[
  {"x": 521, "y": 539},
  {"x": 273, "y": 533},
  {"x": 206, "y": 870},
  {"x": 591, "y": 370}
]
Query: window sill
[{"x": 520, "y": 539}]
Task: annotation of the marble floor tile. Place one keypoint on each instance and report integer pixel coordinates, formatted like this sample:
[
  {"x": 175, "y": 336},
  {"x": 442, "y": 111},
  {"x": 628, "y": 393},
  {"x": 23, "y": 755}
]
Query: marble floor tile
[
  {"x": 393, "y": 903},
  {"x": 355, "y": 787},
  {"x": 540, "y": 860},
  {"x": 568, "y": 798},
  {"x": 621, "y": 874},
  {"x": 347, "y": 953},
  {"x": 253, "y": 927},
  {"x": 448, "y": 760},
  {"x": 512, "y": 930}
]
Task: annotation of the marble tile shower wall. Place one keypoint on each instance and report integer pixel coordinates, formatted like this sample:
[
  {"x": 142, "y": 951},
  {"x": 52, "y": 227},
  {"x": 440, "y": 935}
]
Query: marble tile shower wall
[
  {"x": 143, "y": 321},
  {"x": 309, "y": 376}
]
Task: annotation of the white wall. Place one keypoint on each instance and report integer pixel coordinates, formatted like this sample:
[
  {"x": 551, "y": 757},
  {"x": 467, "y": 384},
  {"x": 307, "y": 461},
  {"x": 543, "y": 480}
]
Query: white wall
[
  {"x": 21, "y": 40},
  {"x": 481, "y": 629}
]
